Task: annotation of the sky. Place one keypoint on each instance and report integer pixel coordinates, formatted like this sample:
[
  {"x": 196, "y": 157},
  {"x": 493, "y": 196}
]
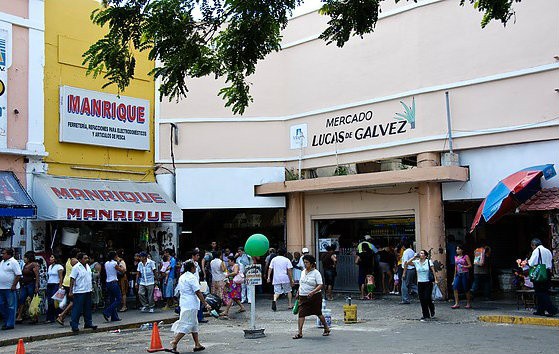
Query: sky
[{"x": 308, "y": 5}]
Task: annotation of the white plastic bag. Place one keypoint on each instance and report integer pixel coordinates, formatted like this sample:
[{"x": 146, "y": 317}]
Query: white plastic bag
[
  {"x": 63, "y": 303},
  {"x": 59, "y": 295},
  {"x": 436, "y": 295}
]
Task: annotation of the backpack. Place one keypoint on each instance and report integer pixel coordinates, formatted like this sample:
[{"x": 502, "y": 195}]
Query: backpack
[{"x": 479, "y": 256}]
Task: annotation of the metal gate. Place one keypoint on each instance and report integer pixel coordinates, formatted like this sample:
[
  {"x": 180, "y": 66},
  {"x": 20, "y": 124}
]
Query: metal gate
[{"x": 347, "y": 271}]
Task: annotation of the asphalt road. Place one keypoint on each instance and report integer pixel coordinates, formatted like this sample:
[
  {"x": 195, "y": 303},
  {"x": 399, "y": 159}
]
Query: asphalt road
[{"x": 379, "y": 335}]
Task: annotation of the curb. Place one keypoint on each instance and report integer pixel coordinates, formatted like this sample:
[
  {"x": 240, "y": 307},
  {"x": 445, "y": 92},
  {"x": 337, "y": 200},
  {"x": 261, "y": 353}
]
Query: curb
[
  {"x": 28, "y": 339},
  {"x": 534, "y": 321}
]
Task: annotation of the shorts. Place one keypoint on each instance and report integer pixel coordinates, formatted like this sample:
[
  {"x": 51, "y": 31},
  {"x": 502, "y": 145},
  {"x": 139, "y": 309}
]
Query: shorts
[
  {"x": 26, "y": 291},
  {"x": 460, "y": 282},
  {"x": 384, "y": 267},
  {"x": 329, "y": 277},
  {"x": 282, "y": 288}
]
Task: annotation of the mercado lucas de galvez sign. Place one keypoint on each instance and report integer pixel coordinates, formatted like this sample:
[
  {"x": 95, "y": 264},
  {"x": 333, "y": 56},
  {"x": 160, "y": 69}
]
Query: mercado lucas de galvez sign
[
  {"x": 362, "y": 125},
  {"x": 97, "y": 118}
]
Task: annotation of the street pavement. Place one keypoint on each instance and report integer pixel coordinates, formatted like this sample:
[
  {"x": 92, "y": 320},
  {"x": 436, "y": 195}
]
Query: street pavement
[{"x": 384, "y": 327}]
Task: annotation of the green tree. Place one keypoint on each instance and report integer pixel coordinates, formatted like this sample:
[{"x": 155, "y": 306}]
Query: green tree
[{"x": 222, "y": 38}]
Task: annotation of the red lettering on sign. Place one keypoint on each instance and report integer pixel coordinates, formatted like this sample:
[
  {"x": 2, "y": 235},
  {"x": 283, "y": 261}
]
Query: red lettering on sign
[
  {"x": 139, "y": 215},
  {"x": 73, "y": 104},
  {"x": 108, "y": 195},
  {"x": 61, "y": 193},
  {"x": 73, "y": 214},
  {"x": 105, "y": 214},
  {"x": 166, "y": 216},
  {"x": 89, "y": 214},
  {"x": 92, "y": 194},
  {"x": 153, "y": 216},
  {"x": 144, "y": 197},
  {"x": 141, "y": 114},
  {"x": 157, "y": 198},
  {"x": 119, "y": 215},
  {"x": 107, "y": 109},
  {"x": 96, "y": 108},
  {"x": 129, "y": 197},
  {"x": 131, "y": 112},
  {"x": 122, "y": 112},
  {"x": 84, "y": 109},
  {"x": 78, "y": 194}
]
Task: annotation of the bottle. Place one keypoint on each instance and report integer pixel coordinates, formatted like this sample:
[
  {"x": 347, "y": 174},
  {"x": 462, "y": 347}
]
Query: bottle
[
  {"x": 323, "y": 304},
  {"x": 349, "y": 300}
]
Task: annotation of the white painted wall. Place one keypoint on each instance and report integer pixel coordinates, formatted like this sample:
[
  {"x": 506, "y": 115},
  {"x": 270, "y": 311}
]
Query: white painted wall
[
  {"x": 222, "y": 188},
  {"x": 490, "y": 165}
]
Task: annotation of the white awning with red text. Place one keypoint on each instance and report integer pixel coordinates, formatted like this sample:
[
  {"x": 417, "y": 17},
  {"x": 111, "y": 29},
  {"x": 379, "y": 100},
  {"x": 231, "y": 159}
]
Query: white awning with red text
[{"x": 75, "y": 199}]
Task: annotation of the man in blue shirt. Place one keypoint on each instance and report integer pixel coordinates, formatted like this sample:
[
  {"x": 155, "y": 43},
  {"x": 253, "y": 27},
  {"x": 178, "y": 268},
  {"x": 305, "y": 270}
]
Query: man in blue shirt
[
  {"x": 145, "y": 282},
  {"x": 170, "y": 284}
]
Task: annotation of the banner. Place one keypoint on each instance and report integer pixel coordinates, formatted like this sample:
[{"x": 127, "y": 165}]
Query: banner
[
  {"x": 97, "y": 118},
  {"x": 5, "y": 61}
]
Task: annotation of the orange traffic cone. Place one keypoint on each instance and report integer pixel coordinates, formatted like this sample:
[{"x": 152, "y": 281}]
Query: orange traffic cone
[
  {"x": 155, "y": 345},
  {"x": 20, "y": 348}
]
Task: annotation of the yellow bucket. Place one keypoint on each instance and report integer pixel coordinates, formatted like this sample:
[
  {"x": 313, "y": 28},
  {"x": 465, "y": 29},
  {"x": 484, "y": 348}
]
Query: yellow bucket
[{"x": 350, "y": 313}]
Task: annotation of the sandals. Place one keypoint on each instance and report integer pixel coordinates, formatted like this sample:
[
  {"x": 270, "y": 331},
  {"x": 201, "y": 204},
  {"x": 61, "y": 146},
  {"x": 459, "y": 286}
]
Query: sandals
[
  {"x": 173, "y": 350},
  {"x": 298, "y": 336},
  {"x": 199, "y": 349},
  {"x": 454, "y": 307},
  {"x": 326, "y": 333},
  {"x": 468, "y": 307},
  {"x": 60, "y": 321},
  {"x": 241, "y": 310}
]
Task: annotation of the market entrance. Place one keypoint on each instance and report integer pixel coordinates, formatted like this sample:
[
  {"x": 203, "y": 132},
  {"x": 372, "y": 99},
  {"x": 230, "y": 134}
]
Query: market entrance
[
  {"x": 346, "y": 234},
  {"x": 230, "y": 227}
]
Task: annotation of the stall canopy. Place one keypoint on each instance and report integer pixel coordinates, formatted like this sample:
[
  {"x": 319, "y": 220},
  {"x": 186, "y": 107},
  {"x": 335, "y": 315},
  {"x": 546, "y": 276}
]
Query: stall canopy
[
  {"x": 73, "y": 199},
  {"x": 14, "y": 200},
  {"x": 511, "y": 192}
]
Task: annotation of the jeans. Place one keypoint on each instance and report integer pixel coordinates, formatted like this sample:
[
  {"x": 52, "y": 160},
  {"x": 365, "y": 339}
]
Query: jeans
[
  {"x": 483, "y": 281},
  {"x": 82, "y": 305},
  {"x": 145, "y": 292},
  {"x": 26, "y": 291},
  {"x": 52, "y": 311},
  {"x": 8, "y": 306},
  {"x": 409, "y": 284},
  {"x": 427, "y": 307},
  {"x": 113, "y": 290}
]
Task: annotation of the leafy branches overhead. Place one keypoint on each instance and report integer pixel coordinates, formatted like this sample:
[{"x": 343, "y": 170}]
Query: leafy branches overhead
[{"x": 221, "y": 38}]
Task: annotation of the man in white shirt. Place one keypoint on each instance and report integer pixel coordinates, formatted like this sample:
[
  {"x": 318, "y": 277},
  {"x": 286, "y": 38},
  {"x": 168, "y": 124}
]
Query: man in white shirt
[
  {"x": 80, "y": 291},
  {"x": 409, "y": 283},
  {"x": 145, "y": 282},
  {"x": 10, "y": 273},
  {"x": 283, "y": 277},
  {"x": 542, "y": 255}
]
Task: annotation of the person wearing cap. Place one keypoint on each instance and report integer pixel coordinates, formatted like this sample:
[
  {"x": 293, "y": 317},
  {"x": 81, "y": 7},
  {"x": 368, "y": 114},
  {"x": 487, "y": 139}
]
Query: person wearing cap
[
  {"x": 367, "y": 240},
  {"x": 145, "y": 282}
]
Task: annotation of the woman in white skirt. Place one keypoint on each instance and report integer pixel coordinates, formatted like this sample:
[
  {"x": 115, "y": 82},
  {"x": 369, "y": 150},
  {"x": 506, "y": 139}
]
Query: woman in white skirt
[{"x": 188, "y": 288}]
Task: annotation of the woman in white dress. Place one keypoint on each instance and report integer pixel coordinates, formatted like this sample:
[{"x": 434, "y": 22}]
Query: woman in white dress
[{"x": 188, "y": 288}]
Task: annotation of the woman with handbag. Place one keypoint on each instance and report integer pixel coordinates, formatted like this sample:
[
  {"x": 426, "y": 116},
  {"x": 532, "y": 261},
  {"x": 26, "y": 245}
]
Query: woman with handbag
[
  {"x": 309, "y": 296},
  {"x": 29, "y": 284},
  {"x": 425, "y": 279},
  {"x": 54, "y": 284},
  {"x": 233, "y": 286}
]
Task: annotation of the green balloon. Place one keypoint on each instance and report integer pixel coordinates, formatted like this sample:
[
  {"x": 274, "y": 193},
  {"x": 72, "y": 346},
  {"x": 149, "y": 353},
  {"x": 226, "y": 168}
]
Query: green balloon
[{"x": 257, "y": 245}]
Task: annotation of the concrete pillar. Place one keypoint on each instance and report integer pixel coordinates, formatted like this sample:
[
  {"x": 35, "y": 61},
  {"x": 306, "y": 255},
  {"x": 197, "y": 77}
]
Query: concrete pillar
[
  {"x": 431, "y": 219},
  {"x": 295, "y": 219}
]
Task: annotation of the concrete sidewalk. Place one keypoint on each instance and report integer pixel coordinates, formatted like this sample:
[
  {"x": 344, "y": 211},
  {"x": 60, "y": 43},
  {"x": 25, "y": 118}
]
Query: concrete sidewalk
[
  {"x": 383, "y": 310},
  {"x": 40, "y": 331}
]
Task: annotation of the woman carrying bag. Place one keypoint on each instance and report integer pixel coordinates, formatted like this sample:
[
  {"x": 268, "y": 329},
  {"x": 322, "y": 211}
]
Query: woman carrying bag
[
  {"x": 310, "y": 296},
  {"x": 423, "y": 267}
]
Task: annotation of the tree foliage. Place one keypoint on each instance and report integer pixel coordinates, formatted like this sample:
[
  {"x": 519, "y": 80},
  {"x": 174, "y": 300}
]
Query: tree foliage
[{"x": 222, "y": 38}]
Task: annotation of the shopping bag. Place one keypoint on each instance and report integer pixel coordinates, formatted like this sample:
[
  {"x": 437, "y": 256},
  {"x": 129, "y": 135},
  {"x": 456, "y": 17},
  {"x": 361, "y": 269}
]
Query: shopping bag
[
  {"x": 34, "y": 306},
  {"x": 157, "y": 295},
  {"x": 436, "y": 294},
  {"x": 59, "y": 295},
  {"x": 296, "y": 307},
  {"x": 63, "y": 303},
  {"x": 538, "y": 273}
]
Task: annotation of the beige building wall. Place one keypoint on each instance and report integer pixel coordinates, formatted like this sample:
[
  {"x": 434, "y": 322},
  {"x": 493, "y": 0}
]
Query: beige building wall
[{"x": 501, "y": 85}]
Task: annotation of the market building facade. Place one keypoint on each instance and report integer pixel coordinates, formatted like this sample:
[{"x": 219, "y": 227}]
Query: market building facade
[{"x": 397, "y": 135}]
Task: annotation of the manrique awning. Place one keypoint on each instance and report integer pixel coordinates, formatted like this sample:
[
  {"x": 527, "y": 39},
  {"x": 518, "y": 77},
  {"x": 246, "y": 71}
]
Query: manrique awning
[{"x": 75, "y": 199}]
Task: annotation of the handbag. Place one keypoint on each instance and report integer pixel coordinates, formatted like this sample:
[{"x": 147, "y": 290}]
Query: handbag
[
  {"x": 157, "y": 295},
  {"x": 538, "y": 272},
  {"x": 431, "y": 275},
  {"x": 34, "y": 306},
  {"x": 239, "y": 278},
  {"x": 296, "y": 307},
  {"x": 59, "y": 295}
]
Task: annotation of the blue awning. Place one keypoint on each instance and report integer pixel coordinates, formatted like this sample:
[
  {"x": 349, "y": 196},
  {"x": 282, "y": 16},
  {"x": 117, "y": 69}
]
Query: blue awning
[{"x": 14, "y": 200}]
